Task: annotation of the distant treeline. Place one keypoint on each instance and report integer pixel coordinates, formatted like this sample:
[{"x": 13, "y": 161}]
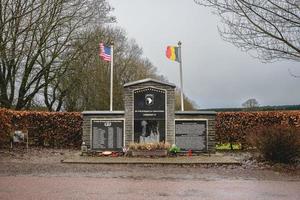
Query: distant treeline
[{"x": 261, "y": 108}]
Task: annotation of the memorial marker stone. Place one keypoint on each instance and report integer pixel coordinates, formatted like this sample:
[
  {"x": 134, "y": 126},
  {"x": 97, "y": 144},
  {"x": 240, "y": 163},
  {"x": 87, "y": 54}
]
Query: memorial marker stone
[
  {"x": 149, "y": 116},
  {"x": 107, "y": 134},
  {"x": 190, "y": 135}
]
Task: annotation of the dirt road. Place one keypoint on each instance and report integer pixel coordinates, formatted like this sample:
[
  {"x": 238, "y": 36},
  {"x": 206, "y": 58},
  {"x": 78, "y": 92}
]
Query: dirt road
[
  {"x": 40, "y": 175},
  {"x": 116, "y": 188}
]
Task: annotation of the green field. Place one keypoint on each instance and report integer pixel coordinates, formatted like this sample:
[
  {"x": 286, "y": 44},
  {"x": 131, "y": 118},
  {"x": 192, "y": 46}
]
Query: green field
[{"x": 227, "y": 146}]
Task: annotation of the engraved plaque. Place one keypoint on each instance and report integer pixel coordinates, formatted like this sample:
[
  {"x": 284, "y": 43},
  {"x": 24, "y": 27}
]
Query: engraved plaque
[
  {"x": 190, "y": 135},
  {"x": 149, "y": 115},
  {"x": 107, "y": 134}
]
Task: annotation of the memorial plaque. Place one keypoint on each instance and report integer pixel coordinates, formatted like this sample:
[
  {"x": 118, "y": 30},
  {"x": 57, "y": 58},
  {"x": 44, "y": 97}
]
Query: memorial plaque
[
  {"x": 149, "y": 115},
  {"x": 190, "y": 135},
  {"x": 149, "y": 104},
  {"x": 107, "y": 134},
  {"x": 18, "y": 136}
]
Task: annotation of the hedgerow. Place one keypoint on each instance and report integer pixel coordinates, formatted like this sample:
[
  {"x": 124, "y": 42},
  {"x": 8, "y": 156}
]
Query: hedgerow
[
  {"x": 63, "y": 129},
  {"x": 55, "y": 129},
  {"x": 235, "y": 127}
]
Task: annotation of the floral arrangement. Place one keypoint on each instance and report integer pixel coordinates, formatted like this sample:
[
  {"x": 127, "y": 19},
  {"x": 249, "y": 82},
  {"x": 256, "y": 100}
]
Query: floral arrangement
[
  {"x": 149, "y": 146},
  {"x": 174, "y": 149}
]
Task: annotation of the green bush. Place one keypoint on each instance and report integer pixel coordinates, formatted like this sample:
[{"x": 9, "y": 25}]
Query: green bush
[
  {"x": 174, "y": 149},
  {"x": 277, "y": 143}
]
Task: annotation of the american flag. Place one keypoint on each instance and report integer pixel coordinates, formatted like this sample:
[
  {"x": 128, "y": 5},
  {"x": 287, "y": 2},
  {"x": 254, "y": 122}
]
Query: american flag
[{"x": 105, "y": 52}]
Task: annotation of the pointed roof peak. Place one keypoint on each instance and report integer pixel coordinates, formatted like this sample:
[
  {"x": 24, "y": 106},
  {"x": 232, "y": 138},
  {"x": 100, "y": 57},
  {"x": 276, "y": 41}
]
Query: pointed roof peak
[{"x": 149, "y": 80}]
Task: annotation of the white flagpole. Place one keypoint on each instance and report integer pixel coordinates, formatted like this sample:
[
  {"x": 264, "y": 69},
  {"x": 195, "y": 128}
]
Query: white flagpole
[
  {"x": 181, "y": 84},
  {"x": 111, "y": 75}
]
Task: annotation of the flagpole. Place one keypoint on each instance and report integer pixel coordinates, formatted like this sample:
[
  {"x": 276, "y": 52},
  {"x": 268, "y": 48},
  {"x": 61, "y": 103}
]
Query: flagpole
[
  {"x": 181, "y": 84},
  {"x": 111, "y": 75}
]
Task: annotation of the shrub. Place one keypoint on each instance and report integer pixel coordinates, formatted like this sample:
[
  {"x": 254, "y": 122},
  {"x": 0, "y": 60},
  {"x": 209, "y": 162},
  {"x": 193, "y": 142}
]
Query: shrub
[
  {"x": 174, "y": 149},
  {"x": 277, "y": 143},
  {"x": 234, "y": 127}
]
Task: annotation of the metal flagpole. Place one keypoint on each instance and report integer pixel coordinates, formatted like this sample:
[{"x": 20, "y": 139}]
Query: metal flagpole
[
  {"x": 111, "y": 74},
  {"x": 181, "y": 84}
]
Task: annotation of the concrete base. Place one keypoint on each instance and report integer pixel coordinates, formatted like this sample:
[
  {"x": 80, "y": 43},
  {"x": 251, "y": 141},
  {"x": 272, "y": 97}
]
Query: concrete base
[{"x": 180, "y": 160}]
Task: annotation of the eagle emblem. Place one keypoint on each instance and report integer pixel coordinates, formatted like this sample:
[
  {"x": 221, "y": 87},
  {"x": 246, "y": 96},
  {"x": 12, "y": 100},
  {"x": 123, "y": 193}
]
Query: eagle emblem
[{"x": 149, "y": 99}]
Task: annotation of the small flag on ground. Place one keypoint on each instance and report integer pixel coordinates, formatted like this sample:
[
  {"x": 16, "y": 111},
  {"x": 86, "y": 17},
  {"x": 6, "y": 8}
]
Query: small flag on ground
[
  {"x": 105, "y": 52},
  {"x": 172, "y": 53}
]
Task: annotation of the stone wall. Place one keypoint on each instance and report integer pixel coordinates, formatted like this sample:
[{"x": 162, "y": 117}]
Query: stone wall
[{"x": 129, "y": 104}]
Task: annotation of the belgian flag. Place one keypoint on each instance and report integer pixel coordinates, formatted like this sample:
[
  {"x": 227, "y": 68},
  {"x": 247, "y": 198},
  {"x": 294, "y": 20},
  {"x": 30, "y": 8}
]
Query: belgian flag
[{"x": 172, "y": 53}]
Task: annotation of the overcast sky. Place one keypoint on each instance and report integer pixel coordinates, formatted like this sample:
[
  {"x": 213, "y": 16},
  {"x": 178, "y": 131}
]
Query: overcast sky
[{"x": 215, "y": 73}]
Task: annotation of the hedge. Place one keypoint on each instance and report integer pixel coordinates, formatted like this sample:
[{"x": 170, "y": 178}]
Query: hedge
[
  {"x": 235, "y": 127},
  {"x": 5, "y": 125},
  {"x": 55, "y": 129},
  {"x": 63, "y": 129}
]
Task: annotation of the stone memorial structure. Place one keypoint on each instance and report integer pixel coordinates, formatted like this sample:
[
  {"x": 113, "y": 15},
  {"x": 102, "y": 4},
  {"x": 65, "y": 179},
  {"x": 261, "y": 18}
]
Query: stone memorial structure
[{"x": 149, "y": 116}]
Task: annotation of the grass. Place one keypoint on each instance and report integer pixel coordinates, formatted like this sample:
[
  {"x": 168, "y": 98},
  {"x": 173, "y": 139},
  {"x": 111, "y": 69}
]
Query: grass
[{"x": 226, "y": 146}]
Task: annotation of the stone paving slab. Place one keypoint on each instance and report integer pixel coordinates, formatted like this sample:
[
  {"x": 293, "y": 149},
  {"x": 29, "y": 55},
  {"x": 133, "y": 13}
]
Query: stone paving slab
[{"x": 179, "y": 160}]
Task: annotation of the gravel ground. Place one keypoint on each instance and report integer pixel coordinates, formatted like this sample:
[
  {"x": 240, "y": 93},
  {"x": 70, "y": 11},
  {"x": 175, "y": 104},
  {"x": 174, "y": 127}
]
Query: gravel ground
[
  {"x": 73, "y": 188},
  {"x": 39, "y": 174},
  {"x": 46, "y": 162}
]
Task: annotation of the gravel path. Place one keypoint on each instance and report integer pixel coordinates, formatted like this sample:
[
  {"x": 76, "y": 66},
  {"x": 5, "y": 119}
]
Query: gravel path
[
  {"x": 46, "y": 162},
  {"x": 39, "y": 174}
]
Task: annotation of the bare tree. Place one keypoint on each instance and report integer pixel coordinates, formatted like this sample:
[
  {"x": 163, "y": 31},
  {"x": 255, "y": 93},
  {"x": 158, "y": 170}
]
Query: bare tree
[
  {"x": 189, "y": 105},
  {"x": 270, "y": 27},
  {"x": 89, "y": 76},
  {"x": 35, "y": 38},
  {"x": 250, "y": 104}
]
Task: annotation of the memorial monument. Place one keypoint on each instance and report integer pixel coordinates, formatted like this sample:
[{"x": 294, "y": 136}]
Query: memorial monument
[{"x": 149, "y": 116}]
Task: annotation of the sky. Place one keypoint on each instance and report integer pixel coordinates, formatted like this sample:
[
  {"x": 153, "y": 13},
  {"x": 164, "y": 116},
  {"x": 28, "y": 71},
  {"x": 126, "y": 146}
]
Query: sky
[{"x": 216, "y": 74}]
